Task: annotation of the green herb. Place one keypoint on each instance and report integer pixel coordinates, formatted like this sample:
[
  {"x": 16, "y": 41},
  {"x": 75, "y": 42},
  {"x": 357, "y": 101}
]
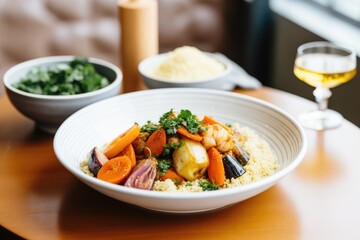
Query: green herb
[
  {"x": 164, "y": 165},
  {"x": 149, "y": 127},
  {"x": 171, "y": 122},
  {"x": 79, "y": 76},
  {"x": 207, "y": 186},
  {"x": 189, "y": 121},
  {"x": 169, "y": 148}
]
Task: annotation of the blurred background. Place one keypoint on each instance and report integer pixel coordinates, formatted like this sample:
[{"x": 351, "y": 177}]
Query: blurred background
[{"x": 260, "y": 35}]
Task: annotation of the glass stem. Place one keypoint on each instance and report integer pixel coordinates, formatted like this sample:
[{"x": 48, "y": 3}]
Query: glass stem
[{"x": 322, "y": 96}]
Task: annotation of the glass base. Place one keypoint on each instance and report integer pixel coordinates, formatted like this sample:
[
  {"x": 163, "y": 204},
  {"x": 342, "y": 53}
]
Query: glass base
[{"x": 321, "y": 120}]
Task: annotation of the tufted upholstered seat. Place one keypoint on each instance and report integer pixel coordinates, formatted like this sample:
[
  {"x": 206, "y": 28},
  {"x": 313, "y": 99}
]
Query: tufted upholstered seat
[{"x": 37, "y": 28}]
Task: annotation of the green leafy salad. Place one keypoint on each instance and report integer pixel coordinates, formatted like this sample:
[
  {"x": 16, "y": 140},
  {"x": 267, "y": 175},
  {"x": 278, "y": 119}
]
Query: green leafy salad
[{"x": 79, "y": 76}]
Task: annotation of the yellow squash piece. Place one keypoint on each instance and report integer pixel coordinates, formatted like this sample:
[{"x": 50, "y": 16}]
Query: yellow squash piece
[{"x": 191, "y": 160}]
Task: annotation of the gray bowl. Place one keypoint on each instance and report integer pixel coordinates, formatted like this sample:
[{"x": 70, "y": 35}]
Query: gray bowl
[
  {"x": 148, "y": 65},
  {"x": 47, "y": 111}
]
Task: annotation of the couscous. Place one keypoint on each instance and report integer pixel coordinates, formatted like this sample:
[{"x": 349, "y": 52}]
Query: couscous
[
  {"x": 183, "y": 153},
  {"x": 187, "y": 64}
]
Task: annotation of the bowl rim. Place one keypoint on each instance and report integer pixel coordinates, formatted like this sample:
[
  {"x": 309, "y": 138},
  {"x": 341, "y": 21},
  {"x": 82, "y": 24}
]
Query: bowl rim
[
  {"x": 267, "y": 181},
  {"x": 222, "y": 60},
  {"x": 66, "y": 58}
]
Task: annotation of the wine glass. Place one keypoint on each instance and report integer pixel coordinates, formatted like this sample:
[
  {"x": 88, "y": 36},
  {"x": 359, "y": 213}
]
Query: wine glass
[{"x": 323, "y": 65}]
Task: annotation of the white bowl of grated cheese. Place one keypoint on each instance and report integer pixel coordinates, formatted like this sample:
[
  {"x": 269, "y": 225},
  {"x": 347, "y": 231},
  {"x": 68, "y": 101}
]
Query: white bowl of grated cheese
[{"x": 186, "y": 67}]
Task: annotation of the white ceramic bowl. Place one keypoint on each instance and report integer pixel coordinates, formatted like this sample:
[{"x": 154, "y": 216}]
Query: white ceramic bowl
[
  {"x": 50, "y": 111},
  {"x": 101, "y": 122},
  {"x": 148, "y": 66}
]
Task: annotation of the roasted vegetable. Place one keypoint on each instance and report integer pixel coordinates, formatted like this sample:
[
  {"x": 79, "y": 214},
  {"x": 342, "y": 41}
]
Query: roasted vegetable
[
  {"x": 172, "y": 175},
  {"x": 155, "y": 144},
  {"x": 96, "y": 159},
  {"x": 193, "y": 136},
  {"x": 233, "y": 168},
  {"x": 130, "y": 153},
  {"x": 122, "y": 141},
  {"x": 190, "y": 160},
  {"x": 139, "y": 143},
  {"x": 216, "y": 171},
  {"x": 143, "y": 175},
  {"x": 115, "y": 170},
  {"x": 241, "y": 155}
]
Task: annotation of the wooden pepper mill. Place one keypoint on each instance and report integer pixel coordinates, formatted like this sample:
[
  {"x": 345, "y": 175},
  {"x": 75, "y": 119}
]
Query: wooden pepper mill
[{"x": 139, "y": 38}]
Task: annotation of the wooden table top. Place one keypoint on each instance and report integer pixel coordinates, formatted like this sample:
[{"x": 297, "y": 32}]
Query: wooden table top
[{"x": 40, "y": 199}]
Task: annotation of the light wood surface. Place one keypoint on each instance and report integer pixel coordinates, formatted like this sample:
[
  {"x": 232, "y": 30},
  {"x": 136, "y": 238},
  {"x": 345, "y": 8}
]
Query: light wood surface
[{"x": 39, "y": 199}]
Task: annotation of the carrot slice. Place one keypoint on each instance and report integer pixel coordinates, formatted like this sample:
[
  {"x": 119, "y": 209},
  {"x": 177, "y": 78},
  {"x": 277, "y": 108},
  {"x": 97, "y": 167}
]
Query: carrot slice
[
  {"x": 212, "y": 121},
  {"x": 216, "y": 171},
  {"x": 123, "y": 140},
  {"x": 115, "y": 170},
  {"x": 130, "y": 153},
  {"x": 183, "y": 131},
  {"x": 173, "y": 175},
  {"x": 156, "y": 142}
]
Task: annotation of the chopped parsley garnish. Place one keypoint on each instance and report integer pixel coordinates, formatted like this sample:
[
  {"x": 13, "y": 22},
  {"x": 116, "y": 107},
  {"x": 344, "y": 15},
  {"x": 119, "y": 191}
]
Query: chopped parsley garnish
[
  {"x": 207, "y": 186},
  {"x": 79, "y": 76},
  {"x": 169, "y": 148},
  {"x": 149, "y": 127},
  {"x": 189, "y": 121},
  {"x": 176, "y": 181},
  {"x": 171, "y": 122},
  {"x": 164, "y": 165}
]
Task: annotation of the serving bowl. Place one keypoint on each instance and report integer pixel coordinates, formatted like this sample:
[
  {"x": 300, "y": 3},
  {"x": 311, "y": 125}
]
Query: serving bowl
[
  {"x": 49, "y": 111},
  {"x": 147, "y": 67},
  {"x": 99, "y": 123}
]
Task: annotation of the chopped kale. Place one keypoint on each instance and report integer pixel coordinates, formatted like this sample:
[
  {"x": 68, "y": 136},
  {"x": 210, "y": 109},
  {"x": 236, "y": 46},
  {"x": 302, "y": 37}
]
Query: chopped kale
[{"x": 79, "y": 76}]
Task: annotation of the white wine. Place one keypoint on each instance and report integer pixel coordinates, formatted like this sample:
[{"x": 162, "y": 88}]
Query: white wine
[
  {"x": 323, "y": 65},
  {"x": 324, "y": 70}
]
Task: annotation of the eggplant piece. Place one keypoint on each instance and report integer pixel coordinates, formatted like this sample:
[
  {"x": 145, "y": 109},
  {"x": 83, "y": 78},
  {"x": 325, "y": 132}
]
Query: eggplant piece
[
  {"x": 143, "y": 175},
  {"x": 241, "y": 155},
  {"x": 96, "y": 159},
  {"x": 233, "y": 168}
]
